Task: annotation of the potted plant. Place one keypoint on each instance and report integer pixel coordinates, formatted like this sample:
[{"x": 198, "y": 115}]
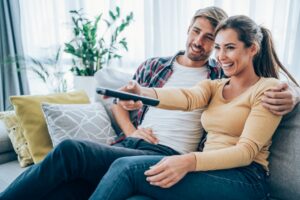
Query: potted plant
[{"x": 93, "y": 47}]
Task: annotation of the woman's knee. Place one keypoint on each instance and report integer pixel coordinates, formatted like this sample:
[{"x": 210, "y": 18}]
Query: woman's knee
[
  {"x": 124, "y": 163},
  {"x": 132, "y": 162}
]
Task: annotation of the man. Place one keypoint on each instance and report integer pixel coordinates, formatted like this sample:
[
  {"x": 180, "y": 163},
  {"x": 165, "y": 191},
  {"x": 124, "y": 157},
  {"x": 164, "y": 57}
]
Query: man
[{"x": 74, "y": 168}]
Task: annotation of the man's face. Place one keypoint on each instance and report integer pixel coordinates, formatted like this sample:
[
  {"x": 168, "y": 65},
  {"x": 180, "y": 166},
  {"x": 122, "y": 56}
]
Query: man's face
[{"x": 200, "y": 40}]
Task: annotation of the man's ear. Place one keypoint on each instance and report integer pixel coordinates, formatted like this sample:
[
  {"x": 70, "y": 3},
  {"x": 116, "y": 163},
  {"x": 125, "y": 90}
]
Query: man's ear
[{"x": 188, "y": 30}]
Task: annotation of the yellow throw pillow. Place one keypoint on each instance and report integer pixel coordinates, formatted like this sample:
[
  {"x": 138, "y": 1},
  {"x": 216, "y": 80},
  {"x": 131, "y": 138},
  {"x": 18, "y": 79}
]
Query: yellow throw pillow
[
  {"x": 15, "y": 134},
  {"x": 29, "y": 112}
]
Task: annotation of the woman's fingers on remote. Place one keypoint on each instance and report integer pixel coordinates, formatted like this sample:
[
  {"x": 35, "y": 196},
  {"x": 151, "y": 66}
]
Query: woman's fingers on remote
[{"x": 133, "y": 87}]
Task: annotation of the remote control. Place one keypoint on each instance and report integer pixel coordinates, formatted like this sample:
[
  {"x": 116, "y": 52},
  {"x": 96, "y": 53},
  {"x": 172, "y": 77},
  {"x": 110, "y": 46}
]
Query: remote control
[{"x": 127, "y": 96}]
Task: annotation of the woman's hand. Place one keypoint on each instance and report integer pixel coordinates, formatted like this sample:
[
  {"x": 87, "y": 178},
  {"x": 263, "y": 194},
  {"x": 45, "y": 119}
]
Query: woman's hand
[
  {"x": 135, "y": 88},
  {"x": 170, "y": 170}
]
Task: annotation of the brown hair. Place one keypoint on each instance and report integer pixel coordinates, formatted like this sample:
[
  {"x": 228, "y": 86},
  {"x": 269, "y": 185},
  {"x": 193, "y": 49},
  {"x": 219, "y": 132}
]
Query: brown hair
[
  {"x": 265, "y": 62},
  {"x": 212, "y": 13}
]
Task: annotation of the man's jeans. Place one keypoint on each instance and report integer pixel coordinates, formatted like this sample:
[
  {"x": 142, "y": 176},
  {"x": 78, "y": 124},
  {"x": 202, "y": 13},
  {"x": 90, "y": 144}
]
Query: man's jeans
[
  {"x": 126, "y": 177},
  {"x": 73, "y": 169}
]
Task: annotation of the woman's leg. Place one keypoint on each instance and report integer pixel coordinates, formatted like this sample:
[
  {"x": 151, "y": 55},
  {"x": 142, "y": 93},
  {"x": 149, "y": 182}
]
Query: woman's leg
[
  {"x": 126, "y": 178},
  {"x": 69, "y": 161}
]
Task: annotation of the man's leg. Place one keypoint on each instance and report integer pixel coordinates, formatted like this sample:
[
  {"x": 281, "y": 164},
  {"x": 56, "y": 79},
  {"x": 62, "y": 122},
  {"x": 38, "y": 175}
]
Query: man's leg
[
  {"x": 74, "y": 190},
  {"x": 126, "y": 178},
  {"x": 69, "y": 161}
]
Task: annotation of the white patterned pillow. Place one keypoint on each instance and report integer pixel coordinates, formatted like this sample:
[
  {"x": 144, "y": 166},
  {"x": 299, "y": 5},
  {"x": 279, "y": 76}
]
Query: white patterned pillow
[{"x": 78, "y": 121}]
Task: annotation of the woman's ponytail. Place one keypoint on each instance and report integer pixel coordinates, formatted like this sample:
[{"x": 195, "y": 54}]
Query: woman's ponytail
[{"x": 266, "y": 62}]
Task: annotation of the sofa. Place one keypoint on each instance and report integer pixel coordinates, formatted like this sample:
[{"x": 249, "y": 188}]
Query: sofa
[{"x": 284, "y": 179}]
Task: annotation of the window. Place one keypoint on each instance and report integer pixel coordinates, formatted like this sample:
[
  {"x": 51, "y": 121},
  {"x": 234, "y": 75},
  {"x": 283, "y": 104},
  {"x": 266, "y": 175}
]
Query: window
[{"x": 159, "y": 27}]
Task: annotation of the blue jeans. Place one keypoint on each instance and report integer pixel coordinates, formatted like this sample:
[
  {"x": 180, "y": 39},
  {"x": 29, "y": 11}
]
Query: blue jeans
[
  {"x": 74, "y": 168},
  {"x": 126, "y": 177}
]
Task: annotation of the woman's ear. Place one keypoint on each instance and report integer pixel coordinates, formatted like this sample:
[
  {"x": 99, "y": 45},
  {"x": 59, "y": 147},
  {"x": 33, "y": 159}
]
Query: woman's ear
[{"x": 254, "y": 49}]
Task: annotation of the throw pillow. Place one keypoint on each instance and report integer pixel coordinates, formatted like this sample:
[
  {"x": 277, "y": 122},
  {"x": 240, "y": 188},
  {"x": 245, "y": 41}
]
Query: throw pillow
[
  {"x": 81, "y": 121},
  {"x": 15, "y": 134},
  {"x": 30, "y": 115}
]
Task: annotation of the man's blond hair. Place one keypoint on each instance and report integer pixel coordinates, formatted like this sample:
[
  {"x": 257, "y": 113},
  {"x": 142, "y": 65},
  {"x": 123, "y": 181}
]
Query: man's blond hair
[{"x": 214, "y": 14}]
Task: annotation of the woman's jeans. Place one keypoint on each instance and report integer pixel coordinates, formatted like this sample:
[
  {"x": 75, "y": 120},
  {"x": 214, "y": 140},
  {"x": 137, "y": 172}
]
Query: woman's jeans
[{"x": 126, "y": 177}]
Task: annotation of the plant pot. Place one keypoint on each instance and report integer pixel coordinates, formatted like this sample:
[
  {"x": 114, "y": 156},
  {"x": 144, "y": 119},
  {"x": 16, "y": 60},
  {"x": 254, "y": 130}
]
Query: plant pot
[{"x": 86, "y": 83}]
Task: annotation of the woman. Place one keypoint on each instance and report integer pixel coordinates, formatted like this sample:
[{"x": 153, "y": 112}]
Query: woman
[{"x": 233, "y": 164}]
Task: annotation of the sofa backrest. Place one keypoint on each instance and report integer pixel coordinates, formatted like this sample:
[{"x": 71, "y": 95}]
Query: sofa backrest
[{"x": 284, "y": 177}]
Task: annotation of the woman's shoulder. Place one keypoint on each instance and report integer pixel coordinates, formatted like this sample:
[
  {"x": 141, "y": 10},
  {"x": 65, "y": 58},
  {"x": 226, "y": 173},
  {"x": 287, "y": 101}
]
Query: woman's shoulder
[
  {"x": 265, "y": 83},
  {"x": 213, "y": 83},
  {"x": 218, "y": 82}
]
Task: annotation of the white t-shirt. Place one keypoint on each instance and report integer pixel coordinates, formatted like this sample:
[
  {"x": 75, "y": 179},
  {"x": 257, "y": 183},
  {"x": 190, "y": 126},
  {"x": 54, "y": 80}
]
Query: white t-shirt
[{"x": 179, "y": 130}]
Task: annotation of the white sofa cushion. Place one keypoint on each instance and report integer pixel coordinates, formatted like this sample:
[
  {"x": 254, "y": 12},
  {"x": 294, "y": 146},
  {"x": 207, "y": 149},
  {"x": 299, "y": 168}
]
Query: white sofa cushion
[{"x": 112, "y": 78}]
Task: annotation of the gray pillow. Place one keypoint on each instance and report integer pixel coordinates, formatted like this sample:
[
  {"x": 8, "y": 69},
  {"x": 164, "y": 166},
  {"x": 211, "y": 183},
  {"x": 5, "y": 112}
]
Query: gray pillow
[
  {"x": 78, "y": 121},
  {"x": 284, "y": 177}
]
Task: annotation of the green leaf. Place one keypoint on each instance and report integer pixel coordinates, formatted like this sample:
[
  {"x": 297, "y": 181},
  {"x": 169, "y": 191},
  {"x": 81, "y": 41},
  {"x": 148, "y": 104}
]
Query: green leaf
[
  {"x": 69, "y": 48},
  {"x": 57, "y": 56},
  {"x": 118, "y": 11},
  {"x": 107, "y": 22},
  {"x": 122, "y": 27},
  {"x": 73, "y": 11},
  {"x": 123, "y": 43},
  {"x": 111, "y": 14},
  {"x": 40, "y": 75},
  {"x": 40, "y": 66},
  {"x": 97, "y": 20},
  {"x": 117, "y": 56}
]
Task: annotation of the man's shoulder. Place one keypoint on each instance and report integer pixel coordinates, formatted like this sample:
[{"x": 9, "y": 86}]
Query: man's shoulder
[
  {"x": 158, "y": 60},
  {"x": 162, "y": 61},
  {"x": 215, "y": 71}
]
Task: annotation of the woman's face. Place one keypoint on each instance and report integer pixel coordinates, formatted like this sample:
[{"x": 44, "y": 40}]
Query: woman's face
[{"x": 231, "y": 53}]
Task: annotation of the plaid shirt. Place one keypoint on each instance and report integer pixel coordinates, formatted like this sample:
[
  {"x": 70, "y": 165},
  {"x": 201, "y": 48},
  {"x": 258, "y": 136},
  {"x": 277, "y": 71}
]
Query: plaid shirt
[{"x": 155, "y": 72}]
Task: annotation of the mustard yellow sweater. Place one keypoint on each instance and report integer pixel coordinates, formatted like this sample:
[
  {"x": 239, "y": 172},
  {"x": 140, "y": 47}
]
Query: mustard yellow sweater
[{"x": 239, "y": 130}]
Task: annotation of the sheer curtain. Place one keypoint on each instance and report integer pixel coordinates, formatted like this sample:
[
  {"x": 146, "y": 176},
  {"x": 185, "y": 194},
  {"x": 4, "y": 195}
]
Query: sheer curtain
[
  {"x": 159, "y": 27},
  {"x": 13, "y": 80}
]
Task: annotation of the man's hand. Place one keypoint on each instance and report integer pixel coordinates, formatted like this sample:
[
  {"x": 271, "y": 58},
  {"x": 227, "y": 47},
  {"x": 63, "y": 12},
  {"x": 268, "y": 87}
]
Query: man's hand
[
  {"x": 279, "y": 100},
  {"x": 145, "y": 134},
  {"x": 170, "y": 170}
]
